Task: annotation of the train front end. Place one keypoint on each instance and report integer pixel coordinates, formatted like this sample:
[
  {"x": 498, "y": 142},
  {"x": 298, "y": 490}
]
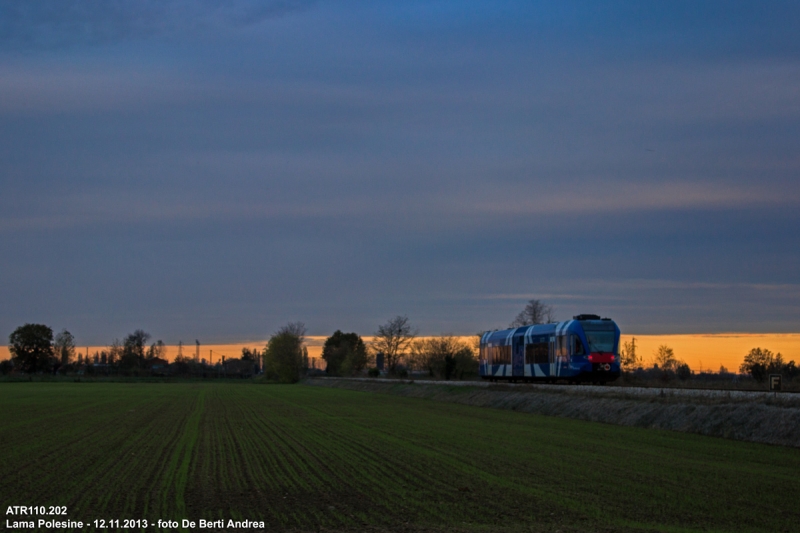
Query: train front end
[{"x": 600, "y": 360}]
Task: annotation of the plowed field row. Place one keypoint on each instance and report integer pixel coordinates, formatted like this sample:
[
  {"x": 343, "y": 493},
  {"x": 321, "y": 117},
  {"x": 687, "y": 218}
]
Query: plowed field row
[{"x": 304, "y": 458}]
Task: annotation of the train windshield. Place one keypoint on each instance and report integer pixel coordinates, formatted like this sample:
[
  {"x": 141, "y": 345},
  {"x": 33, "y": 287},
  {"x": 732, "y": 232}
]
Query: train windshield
[{"x": 601, "y": 337}]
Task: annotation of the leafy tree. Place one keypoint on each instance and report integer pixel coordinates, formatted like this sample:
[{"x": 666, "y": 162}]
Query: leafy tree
[
  {"x": 284, "y": 354},
  {"x": 664, "y": 357},
  {"x": 344, "y": 354},
  {"x": 759, "y": 363},
  {"x": 31, "y": 348},
  {"x": 535, "y": 312},
  {"x": 683, "y": 371},
  {"x": 443, "y": 357},
  {"x": 393, "y": 339},
  {"x": 133, "y": 349},
  {"x": 64, "y": 347},
  {"x": 629, "y": 359}
]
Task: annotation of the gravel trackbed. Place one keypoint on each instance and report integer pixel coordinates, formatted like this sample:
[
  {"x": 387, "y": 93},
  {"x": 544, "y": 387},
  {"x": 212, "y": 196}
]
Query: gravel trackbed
[{"x": 740, "y": 415}]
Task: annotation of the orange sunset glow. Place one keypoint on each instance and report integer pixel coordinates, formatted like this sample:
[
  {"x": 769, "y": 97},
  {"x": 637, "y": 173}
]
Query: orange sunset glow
[{"x": 701, "y": 351}]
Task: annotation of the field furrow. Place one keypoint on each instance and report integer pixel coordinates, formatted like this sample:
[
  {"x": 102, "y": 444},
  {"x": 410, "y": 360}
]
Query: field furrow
[{"x": 304, "y": 458}]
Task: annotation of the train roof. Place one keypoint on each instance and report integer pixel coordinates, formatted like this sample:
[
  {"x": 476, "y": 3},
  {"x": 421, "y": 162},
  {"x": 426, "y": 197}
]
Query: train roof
[{"x": 578, "y": 323}]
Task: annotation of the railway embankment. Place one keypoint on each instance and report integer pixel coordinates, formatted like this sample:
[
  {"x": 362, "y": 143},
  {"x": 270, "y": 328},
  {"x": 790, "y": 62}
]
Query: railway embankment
[{"x": 741, "y": 415}]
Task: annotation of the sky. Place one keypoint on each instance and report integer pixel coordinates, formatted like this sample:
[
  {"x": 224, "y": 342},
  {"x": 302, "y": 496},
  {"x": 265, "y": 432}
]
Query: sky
[{"x": 213, "y": 170}]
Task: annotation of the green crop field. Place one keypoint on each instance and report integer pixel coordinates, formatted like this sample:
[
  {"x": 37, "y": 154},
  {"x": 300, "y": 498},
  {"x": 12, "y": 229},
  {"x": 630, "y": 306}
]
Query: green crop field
[{"x": 305, "y": 458}]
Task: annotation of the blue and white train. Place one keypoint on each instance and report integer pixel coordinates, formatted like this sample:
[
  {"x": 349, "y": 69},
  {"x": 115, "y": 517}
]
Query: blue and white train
[{"x": 585, "y": 348}]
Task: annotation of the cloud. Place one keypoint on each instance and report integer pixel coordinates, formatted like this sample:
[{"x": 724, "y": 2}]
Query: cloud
[
  {"x": 591, "y": 289},
  {"x": 435, "y": 210},
  {"x": 609, "y": 196},
  {"x": 62, "y": 23}
]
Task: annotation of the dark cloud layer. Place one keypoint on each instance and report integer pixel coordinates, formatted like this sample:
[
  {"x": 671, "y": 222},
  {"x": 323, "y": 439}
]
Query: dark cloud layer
[
  {"x": 57, "y": 23},
  {"x": 447, "y": 160}
]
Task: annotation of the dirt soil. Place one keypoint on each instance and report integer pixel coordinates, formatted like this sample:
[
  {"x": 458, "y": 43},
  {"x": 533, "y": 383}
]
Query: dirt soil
[{"x": 756, "y": 417}]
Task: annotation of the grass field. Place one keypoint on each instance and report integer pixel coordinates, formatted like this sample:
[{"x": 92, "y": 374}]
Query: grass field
[{"x": 305, "y": 458}]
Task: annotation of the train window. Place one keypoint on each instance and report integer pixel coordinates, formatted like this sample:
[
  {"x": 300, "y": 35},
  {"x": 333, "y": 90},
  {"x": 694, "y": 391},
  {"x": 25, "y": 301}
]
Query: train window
[
  {"x": 600, "y": 341},
  {"x": 537, "y": 352},
  {"x": 577, "y": 345},
  {"x": 602, "y": 336},
  {"x": 501, "y": 355},
  {"x": 562, "y": 346}
]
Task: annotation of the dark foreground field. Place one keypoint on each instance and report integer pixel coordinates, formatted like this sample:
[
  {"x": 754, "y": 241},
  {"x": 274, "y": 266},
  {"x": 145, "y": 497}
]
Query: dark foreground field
[{"x": 310, "y": 458}]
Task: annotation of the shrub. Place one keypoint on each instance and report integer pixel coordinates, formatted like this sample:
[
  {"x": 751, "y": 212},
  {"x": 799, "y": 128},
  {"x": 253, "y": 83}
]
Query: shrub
[{"x": 284, "y": 357}]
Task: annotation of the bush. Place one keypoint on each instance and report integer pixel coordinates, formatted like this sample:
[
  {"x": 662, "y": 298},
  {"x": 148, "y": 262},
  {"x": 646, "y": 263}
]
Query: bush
[
  {"x": 284, "y": 357},
  {"x": 373, "y": 372}
]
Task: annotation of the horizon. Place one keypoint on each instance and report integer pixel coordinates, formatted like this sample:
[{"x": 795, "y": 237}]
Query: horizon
[{"x": 702, "y": 352}]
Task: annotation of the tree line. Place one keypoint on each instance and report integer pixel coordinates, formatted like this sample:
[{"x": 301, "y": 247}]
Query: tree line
[
  {"x": 395, "y": 344},
  {"x": 758, "y": 363},
  {"x": 35, "y": 349}
]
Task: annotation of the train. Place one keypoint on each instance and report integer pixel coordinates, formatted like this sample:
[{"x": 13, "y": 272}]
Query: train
[{"x": 584, "y": 349}]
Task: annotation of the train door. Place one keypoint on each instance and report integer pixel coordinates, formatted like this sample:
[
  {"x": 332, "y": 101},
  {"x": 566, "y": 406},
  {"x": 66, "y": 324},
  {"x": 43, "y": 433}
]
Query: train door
[
  {"x": 552, "y": 356},
  {"x": 562, "y": 351},
  {"x": 518, "y": 356}
]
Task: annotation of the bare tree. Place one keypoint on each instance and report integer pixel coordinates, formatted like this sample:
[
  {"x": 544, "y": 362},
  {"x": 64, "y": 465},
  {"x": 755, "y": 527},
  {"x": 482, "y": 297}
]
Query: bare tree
[
  {"x": 64, "y": 347},
  {"x": 392, "y": 339},
  {"x": 115, "y": 351},
  {"x": 535, "y": 312},
  {"x": 664, "y": 357},
  {"x": 133, "y": 349},
  {"x": 629, "y": 358},
  {"x": 157, "y": 350},
  {"x": 298, "y": 329}
]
